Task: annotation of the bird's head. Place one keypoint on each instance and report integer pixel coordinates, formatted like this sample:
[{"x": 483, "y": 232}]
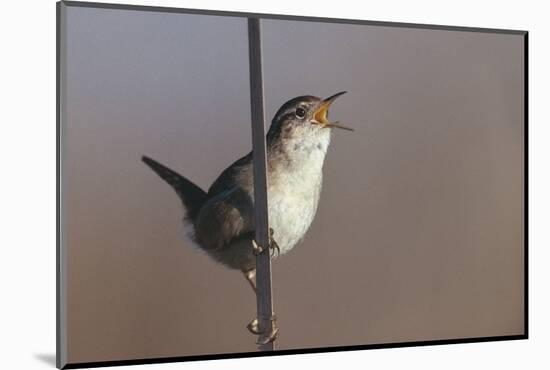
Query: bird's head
[{"x": 305, "y": 115}]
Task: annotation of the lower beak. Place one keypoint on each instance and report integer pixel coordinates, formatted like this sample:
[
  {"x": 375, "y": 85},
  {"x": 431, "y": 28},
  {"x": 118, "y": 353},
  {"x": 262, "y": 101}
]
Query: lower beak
[{"x": 320, "y": 115}]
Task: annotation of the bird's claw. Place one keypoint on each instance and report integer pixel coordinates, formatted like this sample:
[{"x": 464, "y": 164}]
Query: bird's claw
[
  {"x": 254, "y": 326},
  {"x": 272, "y": 335},
  {"x": 256, "y": 249},
  {"x": 267, "y": 336},
  {"x": 273, "y": 246}
]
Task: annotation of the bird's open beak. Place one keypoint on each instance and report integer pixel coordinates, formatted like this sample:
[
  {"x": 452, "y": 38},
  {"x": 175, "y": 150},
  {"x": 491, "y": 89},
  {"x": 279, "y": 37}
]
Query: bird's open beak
[{"x": 320, "y": 115}]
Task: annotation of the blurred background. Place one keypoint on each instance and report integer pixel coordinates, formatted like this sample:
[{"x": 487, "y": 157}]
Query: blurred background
[{"x": 419, "y": 232}]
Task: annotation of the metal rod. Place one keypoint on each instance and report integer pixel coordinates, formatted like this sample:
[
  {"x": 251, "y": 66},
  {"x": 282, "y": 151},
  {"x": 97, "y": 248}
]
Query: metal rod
[
  {"x": 61, "y": 352},
  {"x": 264, "y": 301}
]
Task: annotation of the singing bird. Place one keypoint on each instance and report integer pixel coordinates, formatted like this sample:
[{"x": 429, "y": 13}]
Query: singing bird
[{"x": 221, "y": 221}]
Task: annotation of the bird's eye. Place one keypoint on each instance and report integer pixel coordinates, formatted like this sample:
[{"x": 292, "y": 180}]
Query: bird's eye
[{"x": 300, "y": 113}]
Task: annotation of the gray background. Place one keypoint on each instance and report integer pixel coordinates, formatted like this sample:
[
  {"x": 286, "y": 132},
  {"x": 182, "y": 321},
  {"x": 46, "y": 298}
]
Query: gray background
[{"x": 419, "y": 233}]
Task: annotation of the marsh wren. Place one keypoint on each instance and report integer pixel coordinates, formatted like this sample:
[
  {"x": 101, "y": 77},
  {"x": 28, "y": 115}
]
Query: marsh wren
[{"x": 221, "y": 221}]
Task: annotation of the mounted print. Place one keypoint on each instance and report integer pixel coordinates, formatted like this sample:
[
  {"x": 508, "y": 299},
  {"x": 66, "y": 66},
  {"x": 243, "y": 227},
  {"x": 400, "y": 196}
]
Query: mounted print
[{"x": 235, "y": 184}]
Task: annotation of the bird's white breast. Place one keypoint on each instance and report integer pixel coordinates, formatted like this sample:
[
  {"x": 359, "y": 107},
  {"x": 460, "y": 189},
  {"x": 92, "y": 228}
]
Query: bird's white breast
[{"x": 294, "y": 190}]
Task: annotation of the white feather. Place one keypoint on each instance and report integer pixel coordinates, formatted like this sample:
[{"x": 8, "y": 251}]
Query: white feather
[{"x": 293, "y": 194}]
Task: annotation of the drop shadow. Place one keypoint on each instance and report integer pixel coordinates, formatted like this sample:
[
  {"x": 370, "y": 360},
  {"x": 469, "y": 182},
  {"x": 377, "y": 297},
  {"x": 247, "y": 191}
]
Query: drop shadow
[{"x": 47, "y": 358}]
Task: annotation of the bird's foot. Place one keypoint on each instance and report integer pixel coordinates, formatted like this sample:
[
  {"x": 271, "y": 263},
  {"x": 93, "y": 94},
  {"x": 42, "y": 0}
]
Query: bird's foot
[
  {"x": 273, "y": 246},
  {"x": 266, "y": 336},
  {"x": 254, "y": 326},
  {"x": 256, "y": 249}
]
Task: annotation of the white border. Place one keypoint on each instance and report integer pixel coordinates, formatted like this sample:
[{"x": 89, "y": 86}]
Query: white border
[{"x": 27, "y": 280}]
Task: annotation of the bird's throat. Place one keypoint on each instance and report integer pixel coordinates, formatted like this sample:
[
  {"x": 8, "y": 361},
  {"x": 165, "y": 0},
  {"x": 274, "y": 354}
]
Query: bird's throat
[{"x": 300, "y": 154}]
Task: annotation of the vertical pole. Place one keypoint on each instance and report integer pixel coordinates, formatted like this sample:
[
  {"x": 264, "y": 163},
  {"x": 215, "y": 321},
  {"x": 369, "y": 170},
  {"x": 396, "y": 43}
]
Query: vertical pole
[
  {"x": 263, "y": 261},
  {"x": 61, "y": 226}
]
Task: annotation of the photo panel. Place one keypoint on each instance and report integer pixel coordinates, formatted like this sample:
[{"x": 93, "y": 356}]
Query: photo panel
[{"x": 396, "y": 171}]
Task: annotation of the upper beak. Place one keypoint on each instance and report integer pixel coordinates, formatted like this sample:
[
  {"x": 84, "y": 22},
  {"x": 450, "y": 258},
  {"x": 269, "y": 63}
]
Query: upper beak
[{"x": 320, "y": 115}]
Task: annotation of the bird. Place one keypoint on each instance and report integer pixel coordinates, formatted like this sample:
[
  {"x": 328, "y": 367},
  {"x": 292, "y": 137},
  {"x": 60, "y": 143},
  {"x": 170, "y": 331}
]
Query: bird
[{"x": 221, "y": 220}]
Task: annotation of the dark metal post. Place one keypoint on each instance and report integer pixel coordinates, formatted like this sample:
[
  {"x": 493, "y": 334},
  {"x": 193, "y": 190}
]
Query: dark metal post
[{"x": 263, "y": 261}]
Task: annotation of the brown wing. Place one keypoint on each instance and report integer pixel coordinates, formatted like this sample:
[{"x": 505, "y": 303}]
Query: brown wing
[
  {"x": 224, "y": 217},
  {"x": 227, "y": 213}
]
